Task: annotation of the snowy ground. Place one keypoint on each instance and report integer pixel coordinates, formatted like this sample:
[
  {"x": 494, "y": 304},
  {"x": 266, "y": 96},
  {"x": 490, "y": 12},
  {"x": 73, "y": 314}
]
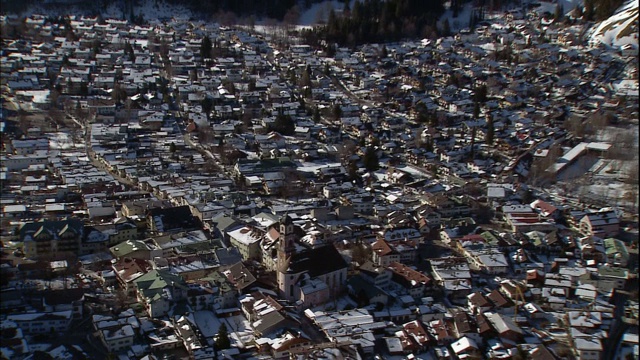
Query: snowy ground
[
  {"x": 458, "y": 23},
  {"x": 318, "y": 13},
  {"x": 149, "y": 9},
  {"x": 240, "y": 331},
  {"x": 619, "y": 29},
  {"x": 61, "y": 141},
  {"x": 338, "y": 305},
  {"x": 207, "y": 322}
]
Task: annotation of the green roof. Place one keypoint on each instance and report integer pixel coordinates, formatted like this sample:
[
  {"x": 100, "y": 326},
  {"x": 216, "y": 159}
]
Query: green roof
[
  {"x": 127, "y": 247},
  {"x": 614, "y": 246},
  {"x": 489, "y": 237},
  {"x": 152, "y": 283},
  {"x": 613, "y": 272}
]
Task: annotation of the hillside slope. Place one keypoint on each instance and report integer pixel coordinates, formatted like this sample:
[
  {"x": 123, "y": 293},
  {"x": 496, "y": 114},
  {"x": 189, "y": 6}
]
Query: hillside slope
[{"x": 620, "y": 29}]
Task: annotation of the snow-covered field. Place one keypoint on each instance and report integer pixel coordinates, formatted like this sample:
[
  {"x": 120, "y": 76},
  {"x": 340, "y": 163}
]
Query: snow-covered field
[
  {"x": 151, "y": 9},
  {"x": 318, "y": 13},
  {"x": 619, "y": 29}
]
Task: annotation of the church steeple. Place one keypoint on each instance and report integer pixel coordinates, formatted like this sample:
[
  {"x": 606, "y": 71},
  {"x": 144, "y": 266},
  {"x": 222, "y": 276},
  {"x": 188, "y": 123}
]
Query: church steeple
[{"x": 286, "y": 243}]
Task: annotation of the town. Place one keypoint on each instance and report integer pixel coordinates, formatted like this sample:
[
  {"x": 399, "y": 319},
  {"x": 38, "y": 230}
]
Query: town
[{"x": 181, "y": 189}]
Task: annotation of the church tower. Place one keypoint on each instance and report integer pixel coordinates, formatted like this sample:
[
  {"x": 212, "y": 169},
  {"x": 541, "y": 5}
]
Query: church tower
[
  {"x": 286, "y": 243},
  {"x": 286, "y": 248}
]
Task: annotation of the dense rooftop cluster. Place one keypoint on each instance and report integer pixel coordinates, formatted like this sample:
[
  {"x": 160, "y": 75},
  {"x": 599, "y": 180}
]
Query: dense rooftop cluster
[{"x": 183, "y": 189}]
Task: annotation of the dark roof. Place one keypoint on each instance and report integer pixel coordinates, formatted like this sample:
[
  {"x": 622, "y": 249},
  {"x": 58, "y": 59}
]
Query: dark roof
[
  {"x": 497, "y": 299},
  {"x": 286, "y": 219},
  {"x": 54, "y": 228},
  {"x": 464, "y": 323},
  {"x": 66, "y": 296},
  {"x": 240, "y": 276},
  {"x": 176, "y": 218},
  {"x": 228, "y": 256},
  {"x": 358, "y": 284},
  {"x": 224, "y": 222},
  {"x": 318, "y": 261}
]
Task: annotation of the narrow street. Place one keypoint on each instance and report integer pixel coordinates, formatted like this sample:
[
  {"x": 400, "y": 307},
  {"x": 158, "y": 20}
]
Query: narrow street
[
  {"x": 612, "y": 342},
  {"x": 312, "y": 331},
  {"x": 92, "y": 157}
]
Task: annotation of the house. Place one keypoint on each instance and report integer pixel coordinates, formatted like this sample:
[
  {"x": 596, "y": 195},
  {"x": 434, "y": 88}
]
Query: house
[
  {"x": 62, "y": 300},
  {"x": 379, "y": 276},
  {"x": 546, "y": 210},
  {"x": 288, "y": 344},
  {"x": 603, "y": 223},
  {"x": 588, "y": 348},
  {"x": 415, "y": 282},
  {"x": 505, "y": 327},
  {"x": 171, "y": 220},
  {"x": 136, "y": 249},
  {"x": 364, "y": 292},
  {"x": 616, "y": 252},
  {"x": 52, "y": 238},
  {"x": 442, "y": 331},
  {"x": 466, "y": 347},
  {"x": 356, "y": 326},
  {"x": 478, "y": 304},
  {"x": 247, "y": 240},
  {"x": 43, "y": 322},
  {"x": 239, "y": 276},
  {"x": 413, "y": 338},
  {"x": 383, "y": 254},
  {"x": 158, "y": 290},
  {"x": 265, "y": 314},
  {"x": 116, "y": 333}
]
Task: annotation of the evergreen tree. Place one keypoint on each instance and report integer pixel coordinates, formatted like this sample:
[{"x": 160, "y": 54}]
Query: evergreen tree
[
  {"x": 559, "y": 12},
  {"x": 490, "y": 131},
  {"x": 205, "y": 48},
  {"x": 284, "y": 124},
  {"x": 480, "y": 94},
  {"x": 370, "y": 159},
  {"x": 316, "y": 114},
  {"x": 337, "y": 112},
  {"x": 446, "y": 28},
  {"x": 589, "y": 10},
  {"x": 84, "y": 90},
  {"x": 473, "y": 143},
  {"x": 207, "y": 106},
  {"x": 577, "y": 12},
  {"x": 222, "y": 339}
]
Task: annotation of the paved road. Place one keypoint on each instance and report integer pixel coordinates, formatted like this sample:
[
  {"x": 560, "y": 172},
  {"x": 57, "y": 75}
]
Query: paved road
[
  {"x": 92, "y": 156},
  {"x": 618, "y": 329}
]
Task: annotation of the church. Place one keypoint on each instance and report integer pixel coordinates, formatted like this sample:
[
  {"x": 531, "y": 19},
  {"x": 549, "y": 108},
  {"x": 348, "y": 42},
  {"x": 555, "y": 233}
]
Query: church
[{"x": 309, "y": 277}]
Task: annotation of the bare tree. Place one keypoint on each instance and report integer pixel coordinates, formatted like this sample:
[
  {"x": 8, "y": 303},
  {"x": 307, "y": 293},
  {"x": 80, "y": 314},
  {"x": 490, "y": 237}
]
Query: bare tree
[
  {"x": 348, "y": 148},
  {"x": 23, "y": 121},
  {"x": 575, "y": 126},
  {"x": 291, "y": 17},
  {"x": 625, "y": 146}
]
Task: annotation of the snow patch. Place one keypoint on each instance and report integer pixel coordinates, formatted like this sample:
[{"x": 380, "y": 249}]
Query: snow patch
[{"x": 618, "y": 30}]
